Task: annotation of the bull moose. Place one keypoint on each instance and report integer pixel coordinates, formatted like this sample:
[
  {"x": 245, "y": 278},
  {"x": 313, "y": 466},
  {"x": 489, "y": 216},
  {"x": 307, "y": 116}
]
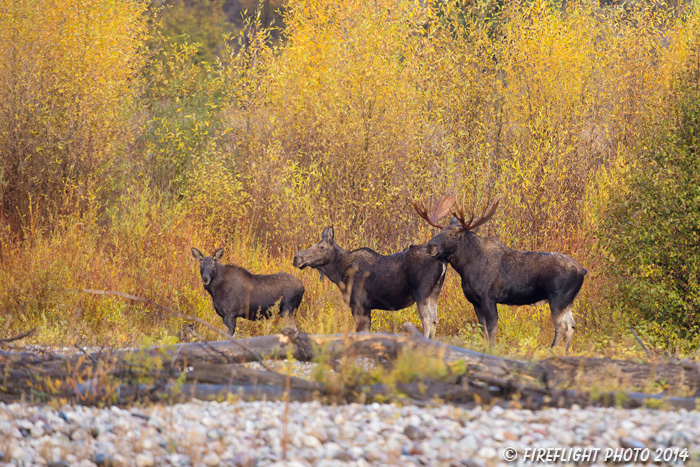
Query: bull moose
[
  {"x": 237, "y": 293},
  {"x": 492, "y": 273},
  {"x": 373, "y": 281}
]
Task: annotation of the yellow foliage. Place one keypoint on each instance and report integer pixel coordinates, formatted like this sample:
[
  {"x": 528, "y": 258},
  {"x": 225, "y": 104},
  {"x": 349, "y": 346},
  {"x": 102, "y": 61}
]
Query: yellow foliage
[
  {"x": 362, "y": 106},
  {"x": 68, "y": 75},
  {"x": 386, "y": 102}
]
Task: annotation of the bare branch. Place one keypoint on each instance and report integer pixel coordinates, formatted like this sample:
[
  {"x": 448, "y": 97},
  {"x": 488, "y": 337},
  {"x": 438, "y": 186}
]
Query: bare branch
[
  {"x": 641, "y": 342},
  {"x": 18, "y": 336}
]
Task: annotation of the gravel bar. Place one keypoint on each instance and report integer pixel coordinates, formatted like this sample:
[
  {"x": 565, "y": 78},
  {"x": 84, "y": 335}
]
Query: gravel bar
[{"x": 301, "y": 434}]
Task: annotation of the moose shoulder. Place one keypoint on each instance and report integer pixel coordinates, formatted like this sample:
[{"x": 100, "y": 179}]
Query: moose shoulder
[
  {"x": 373, "y": 281},
  {"x": 493, "y": 273},
  {"x": 237, "y": 293}
]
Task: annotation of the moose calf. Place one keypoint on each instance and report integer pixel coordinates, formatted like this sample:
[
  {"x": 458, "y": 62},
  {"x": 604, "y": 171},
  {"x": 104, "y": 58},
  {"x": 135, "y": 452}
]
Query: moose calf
[
  {"x": 237, "y": 293},
  {"x": 493, "y": 273},
  {"x": 373, "y": 281}
]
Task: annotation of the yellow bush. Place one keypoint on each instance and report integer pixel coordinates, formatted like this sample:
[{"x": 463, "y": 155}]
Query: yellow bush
[
  {"x": 67, "y": 71},
  {"x": 381, "y": 103}
]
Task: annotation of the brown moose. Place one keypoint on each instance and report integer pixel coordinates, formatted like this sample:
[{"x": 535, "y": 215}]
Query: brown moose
[
  {"x": 492, "y": 273},
  {"x": 373, "y": 281},
  {"x": 237, "y": 293}
]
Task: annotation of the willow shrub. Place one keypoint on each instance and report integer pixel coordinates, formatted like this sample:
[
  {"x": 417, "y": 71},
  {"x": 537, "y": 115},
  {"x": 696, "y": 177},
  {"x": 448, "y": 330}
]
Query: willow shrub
[
  {"x": 67, "y": 91},
  {"x": 360, "y": 107},
  {"x": 365, "y": 106},
  {"x": 650, "y": 229},
  {"x": 70, "y": 216}
]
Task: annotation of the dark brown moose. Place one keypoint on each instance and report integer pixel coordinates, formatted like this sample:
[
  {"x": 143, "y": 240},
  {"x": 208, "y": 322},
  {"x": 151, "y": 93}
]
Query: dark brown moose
[
  {"x": 373, "y": 281},
  {"x": 237, "y": 293},
  {"x": 493, "y": 273}
]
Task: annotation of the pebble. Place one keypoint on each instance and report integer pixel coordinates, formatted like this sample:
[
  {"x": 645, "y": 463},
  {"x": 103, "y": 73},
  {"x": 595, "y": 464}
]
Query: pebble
[
  {"x": 145, "y": 460},
  {"x": 250, "y": 434},
  {"x": 211, "y": 460},
  {"x": 414, "y": 433},
  {"x": 311, "y": 441}
]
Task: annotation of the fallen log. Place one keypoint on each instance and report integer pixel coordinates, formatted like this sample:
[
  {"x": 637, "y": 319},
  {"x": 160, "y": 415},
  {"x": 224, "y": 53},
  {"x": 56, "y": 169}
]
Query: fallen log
[
  {"x": 553, "y": 372},
  {"x": 208, "y": 370},
  {"x": 364, "y": 344},
  {"x": 221, "y": 374},
  {"x": 568, "y": 371},
  {"x": 275, "y": 346},
  {"x": 419, "y": 393},
  {"x": 683, "y": 376}
]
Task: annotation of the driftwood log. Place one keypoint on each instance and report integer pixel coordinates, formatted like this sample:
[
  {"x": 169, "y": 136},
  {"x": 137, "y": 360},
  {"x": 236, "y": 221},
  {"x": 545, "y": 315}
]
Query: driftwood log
[{"x": 213, "y": 370}]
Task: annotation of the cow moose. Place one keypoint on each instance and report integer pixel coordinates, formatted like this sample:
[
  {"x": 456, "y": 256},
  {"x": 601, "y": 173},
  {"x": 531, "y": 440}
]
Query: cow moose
[
  {"x": 373, "y": 281},
  {"x": 492, "y": 273},
  {"x": 237, "y": 293}
]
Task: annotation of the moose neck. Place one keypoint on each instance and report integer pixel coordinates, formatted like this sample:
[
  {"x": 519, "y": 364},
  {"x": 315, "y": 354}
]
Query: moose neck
[
  {"x": 469, "y": 252},
  {"x": 217, "y": 273},
  {"x": 335, "y": 269}
]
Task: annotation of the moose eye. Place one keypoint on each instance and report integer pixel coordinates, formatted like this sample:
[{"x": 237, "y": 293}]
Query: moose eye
[{"x": 322, "y": 247}]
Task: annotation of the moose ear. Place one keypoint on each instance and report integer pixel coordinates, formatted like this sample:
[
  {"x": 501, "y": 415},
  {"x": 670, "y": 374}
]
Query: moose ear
[
  {"x": 454, "y": 221},
  {"x": 218, "y": 254},
  {"x": 328, "y": 234},
  {"x": 197, "y": 254}
]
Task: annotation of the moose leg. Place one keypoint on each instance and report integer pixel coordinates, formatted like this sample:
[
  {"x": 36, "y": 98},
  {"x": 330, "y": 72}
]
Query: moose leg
[
  {"x": 286, "y": 309},
  {"x": 427, "y": 310},
  {"x": 290, "y": 305},
  {"x": 433, "y": 303},
  {"x": 363, "y": 319},
  {"x": 289, "y": 309},
  {"x": 564, "y": 326},
  {"x": 487, "y": 313},
  {"x": 286, "y": 316},
  {"x": 230, "y": 322}
]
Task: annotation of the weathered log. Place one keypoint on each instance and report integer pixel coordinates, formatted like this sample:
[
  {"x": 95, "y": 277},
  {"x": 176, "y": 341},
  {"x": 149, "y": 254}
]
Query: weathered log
[
  {"x": 569, "y": 371},
  {"x": 642, "y": 400},
  {"x": 373, "y": 345},
  {"x": 475, "y": 361},
  {"x": 274, "y": 346},
  {"x": 222, "y": 374},
  {"x": 9, "y": 357},
  {"x": 552, "y": 372},
  {"x": 208, "y": 366},
  {"x": 679, "y": 375}
]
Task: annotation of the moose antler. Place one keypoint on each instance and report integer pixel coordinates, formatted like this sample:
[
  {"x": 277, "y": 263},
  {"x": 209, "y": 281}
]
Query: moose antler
[
  {"x": 472, "y": 224},
  {"x": 440, "y": 211}
]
